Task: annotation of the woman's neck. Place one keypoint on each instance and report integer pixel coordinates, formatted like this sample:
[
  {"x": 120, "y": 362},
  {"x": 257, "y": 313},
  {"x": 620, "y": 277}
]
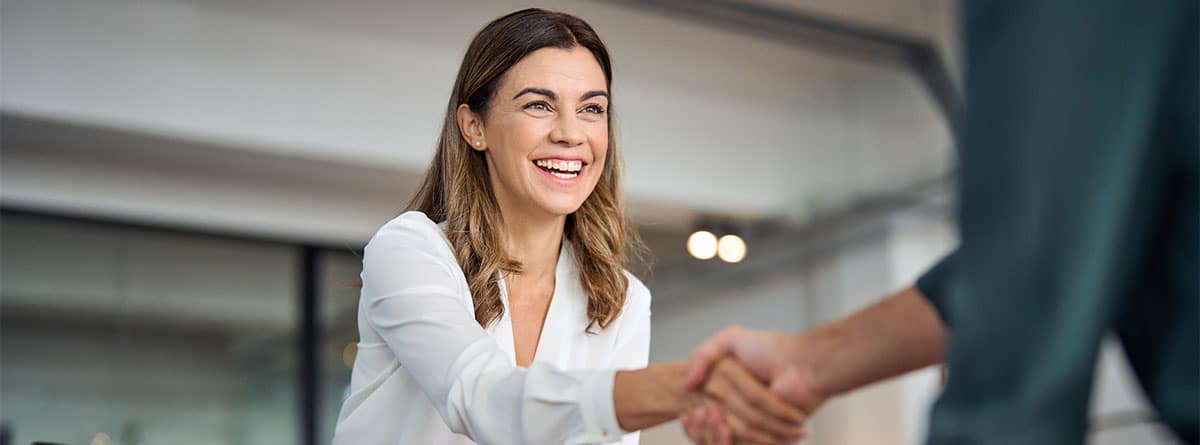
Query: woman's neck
[{"x": 535, "y": 242}]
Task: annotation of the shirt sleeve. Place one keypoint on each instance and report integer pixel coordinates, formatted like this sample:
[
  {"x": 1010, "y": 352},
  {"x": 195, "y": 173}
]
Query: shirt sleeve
[
  {"x": 632, "y": 349},
  {"x": 934, "y": 285},
  {"x": 413, "y": 300}
]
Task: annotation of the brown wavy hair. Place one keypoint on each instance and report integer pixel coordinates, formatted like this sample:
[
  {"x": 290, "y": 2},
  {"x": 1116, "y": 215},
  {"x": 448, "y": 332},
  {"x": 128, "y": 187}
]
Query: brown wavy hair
[{"x": 456, "y": 188}]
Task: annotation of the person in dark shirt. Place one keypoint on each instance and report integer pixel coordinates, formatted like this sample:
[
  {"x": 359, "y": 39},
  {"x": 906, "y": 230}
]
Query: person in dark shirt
[{"x": 1079, "y": 218}]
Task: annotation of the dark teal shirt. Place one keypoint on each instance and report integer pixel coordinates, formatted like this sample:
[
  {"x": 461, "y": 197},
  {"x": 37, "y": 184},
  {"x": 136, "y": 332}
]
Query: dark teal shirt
[{"x": 1078, "y": 189}]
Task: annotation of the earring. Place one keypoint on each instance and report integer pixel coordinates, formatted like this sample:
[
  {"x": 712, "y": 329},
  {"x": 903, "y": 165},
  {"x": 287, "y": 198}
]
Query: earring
[{"x": 478, "y": 144}]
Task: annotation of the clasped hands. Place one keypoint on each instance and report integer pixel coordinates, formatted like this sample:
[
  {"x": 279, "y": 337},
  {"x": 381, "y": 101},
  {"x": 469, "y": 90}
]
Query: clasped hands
[{"x": 748, "y": 388}]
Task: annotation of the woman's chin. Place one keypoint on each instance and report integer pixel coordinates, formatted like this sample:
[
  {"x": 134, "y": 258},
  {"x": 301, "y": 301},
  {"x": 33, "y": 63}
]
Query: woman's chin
[{"x": 561, "y": 207}]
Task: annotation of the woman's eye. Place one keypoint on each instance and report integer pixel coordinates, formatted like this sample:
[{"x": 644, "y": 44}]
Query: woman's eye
[
  {"x": 538, "y": 106},
  {"x": 594, "y": 109}
]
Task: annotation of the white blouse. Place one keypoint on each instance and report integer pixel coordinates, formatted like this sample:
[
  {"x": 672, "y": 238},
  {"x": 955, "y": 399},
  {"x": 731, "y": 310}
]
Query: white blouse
[{"x": 427, "y": 373}]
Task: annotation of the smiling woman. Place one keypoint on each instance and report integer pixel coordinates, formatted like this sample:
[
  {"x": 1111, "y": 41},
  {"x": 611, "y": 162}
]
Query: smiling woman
[{"x": 498, "y": 309}]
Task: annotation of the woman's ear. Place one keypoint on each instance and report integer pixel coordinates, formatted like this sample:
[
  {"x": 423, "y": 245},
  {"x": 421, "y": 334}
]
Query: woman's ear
[{"x": 470, "y": 124}]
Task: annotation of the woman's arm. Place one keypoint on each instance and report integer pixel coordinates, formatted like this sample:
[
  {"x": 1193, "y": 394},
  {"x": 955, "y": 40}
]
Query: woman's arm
[{"x": 647, "y": 397}]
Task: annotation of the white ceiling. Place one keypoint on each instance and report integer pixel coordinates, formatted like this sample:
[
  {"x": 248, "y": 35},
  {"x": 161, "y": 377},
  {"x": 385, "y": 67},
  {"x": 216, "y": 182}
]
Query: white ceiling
[{"x": 710, "y": 121}]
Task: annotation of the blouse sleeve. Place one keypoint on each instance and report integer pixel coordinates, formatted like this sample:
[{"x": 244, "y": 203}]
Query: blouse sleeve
[
  {"x": 632, "y": 349},
  {"x": 412, "y": 299}
]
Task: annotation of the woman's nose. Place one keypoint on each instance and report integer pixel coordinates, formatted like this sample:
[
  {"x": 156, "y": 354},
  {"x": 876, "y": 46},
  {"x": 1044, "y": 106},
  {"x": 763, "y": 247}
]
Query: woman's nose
[{"x": 567, "y": 131}]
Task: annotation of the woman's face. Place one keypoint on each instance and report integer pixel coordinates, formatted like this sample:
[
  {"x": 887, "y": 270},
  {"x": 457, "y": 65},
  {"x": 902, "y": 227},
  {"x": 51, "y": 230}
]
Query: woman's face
[{"x": 546, "y": 132}]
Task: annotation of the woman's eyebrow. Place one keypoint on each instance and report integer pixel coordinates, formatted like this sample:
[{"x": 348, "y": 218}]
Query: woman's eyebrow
[
  {"x": 552, "y": 96},
  {"x": 541, "y": 91},
  {"x": 591, "y": 94}
]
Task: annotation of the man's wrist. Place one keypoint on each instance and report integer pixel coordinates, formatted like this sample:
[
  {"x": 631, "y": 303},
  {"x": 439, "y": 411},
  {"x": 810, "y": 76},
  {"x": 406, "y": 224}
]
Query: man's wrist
[
  {"x": 896, "y": 335},
  {"x": 811, "y": 355}
]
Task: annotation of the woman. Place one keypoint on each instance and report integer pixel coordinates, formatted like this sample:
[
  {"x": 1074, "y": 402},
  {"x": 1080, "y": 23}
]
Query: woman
[{"x": 499, "y": 311}]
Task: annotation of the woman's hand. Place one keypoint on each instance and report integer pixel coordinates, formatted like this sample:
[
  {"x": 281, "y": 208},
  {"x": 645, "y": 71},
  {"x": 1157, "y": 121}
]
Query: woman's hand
[
  {"x": 706, "y": 426},
  {"x": 733, "y": 405}
]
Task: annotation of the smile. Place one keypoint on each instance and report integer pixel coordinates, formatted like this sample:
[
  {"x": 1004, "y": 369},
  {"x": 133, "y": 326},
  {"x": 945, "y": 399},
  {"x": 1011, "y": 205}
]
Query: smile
[{"x": 560, "y": 168}]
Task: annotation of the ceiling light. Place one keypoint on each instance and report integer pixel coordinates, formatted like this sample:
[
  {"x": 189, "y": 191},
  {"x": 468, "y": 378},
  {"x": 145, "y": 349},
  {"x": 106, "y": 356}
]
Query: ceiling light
[
  {"x": 731, "y": 248},
  {"x": 702, "y": 244}
]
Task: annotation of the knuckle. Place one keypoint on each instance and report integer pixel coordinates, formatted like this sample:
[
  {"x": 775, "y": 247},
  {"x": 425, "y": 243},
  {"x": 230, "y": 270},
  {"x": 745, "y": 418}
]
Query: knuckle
[{"x": 729, "y": 332}]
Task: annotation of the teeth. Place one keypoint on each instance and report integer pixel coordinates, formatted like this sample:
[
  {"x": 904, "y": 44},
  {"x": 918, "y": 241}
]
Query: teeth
[
  {"x": 564, "y": 175},
  {"x": 566, "y": 166}
]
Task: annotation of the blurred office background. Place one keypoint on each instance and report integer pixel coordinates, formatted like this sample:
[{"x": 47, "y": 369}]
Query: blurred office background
[{"x": 185, "y": 186}]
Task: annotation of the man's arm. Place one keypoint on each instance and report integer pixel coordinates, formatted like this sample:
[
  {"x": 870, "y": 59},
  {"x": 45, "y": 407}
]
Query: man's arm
[{"x": 899, "y": 334}]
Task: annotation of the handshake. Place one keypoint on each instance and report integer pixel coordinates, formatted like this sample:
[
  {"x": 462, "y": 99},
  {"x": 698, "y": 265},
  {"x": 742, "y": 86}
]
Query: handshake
[
  {"x": 757, "y": 387},
  {"x": 750, "y": 387}
]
